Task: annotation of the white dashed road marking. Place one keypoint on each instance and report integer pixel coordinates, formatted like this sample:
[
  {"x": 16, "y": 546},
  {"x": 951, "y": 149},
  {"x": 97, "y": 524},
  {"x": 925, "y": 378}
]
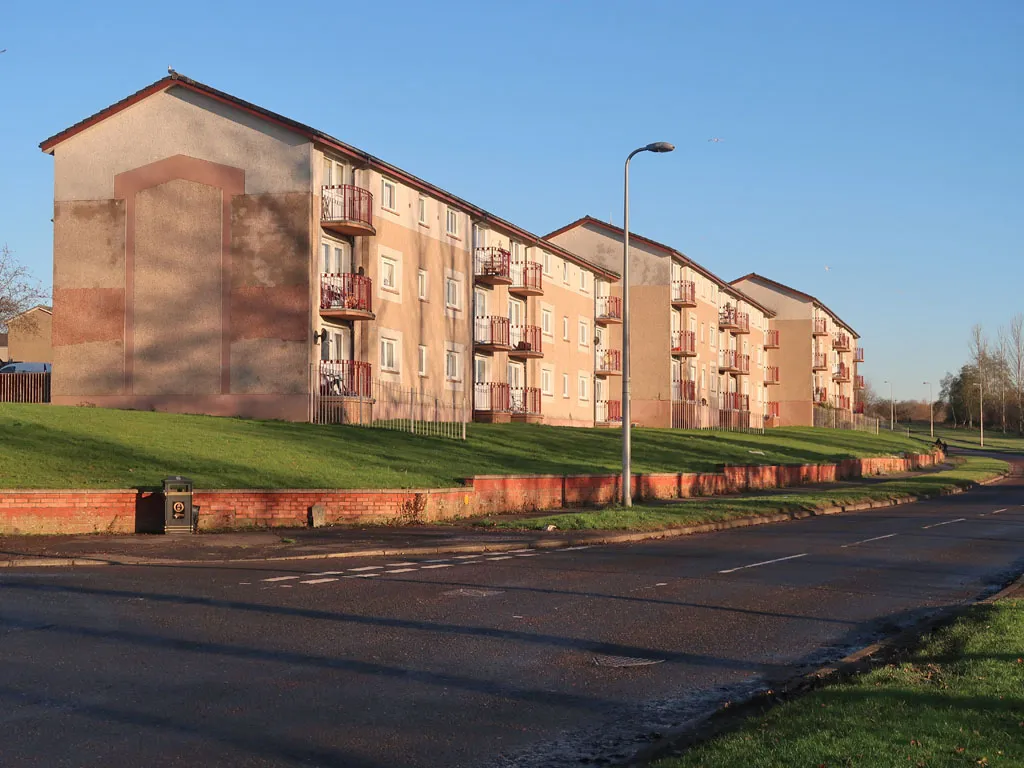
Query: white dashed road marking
[
  {"x": 361, "y": 576},
  {"x": 317, "y": 581},
  {"x": 401, "y": 570},
  {"x": 503, "y": 557},
  {"x": 442, "y": 565},
  {"x": 400, "y": 565},
  {"x": 367, "y": 568},
  {"x": 764, "y": 562},
  {"x": 865, "y": 541},
  {"x": 996, "y": 512},
  {"x": 282, "y": 578},
  {"x": 947, "y": 522}
]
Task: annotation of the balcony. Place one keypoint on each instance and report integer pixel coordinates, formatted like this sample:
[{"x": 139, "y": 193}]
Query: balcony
[
  {"x": 608, "y": 412},
  {"x": 684, "y": 293},
  {"x": 684, "y": 343},
  {"x": 820, "y": 395},
  {"x": 346, "y": 210},
  {"x": 858, "y": 355},
  {"x": 491, "y": 401},
  {"x": 841, "y": 373},
  {"x": 525, "y": 341},
  {"x": 772, "y": 410},
  {"x": 858, "y": 382},
  {"x": 345, "y": 378},
  {"x": 346, "y": 297},
  {"x": 742, "y": 365},
  {"x": 524, "y": 402},
  {"x": 771, "y": 340},
  {"x": 731, "y": 320},
  {"x": 609, "y": 310},
  {"x": 527, "y": 278},
  {"x": 684, "y": 390},
  {"x": 492, "y": 266},
  {"x": 842, "y": 402},
  {"x": 819, "y": 326},
  {"x": 491, "y": 334},
  {"x": 734, "y": 401},
  {"x": 771, "y": 375},
  {"x": 608, "y": 362},
  {"x": 819, "y": 362},
  {"x": 858, "y": 408},
  {"x": 728, "y": 361},
  {"x": 841, "y": 342}
]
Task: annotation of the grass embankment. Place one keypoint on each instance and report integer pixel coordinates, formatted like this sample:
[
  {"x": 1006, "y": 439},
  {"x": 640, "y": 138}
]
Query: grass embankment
[
  {"x": 62, "y": 447},
  {"x": 666, "y": 515},
  {"x": 963, "y": 437},
  {"x": 957, "y": 701}
]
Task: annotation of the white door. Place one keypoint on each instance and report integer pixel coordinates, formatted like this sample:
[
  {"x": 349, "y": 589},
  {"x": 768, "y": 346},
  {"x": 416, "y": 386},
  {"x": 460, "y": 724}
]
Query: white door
[
  {"x": 337, "y": 257},
  {"x": 516, "y": 375},
  {"x": 480, "y": 370},
  {"x": 515, "y": 312},
  {"x": 479, "y": 303}
]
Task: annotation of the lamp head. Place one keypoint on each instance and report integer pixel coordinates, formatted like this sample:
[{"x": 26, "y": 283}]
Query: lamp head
[{"x": 660, "y": 146}]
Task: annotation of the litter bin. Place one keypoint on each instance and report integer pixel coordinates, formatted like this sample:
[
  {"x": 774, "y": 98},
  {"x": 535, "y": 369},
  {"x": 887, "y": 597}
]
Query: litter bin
[{"x": 179, "y": 513}]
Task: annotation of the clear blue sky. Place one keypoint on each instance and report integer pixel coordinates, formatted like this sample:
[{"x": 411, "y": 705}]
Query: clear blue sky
[{"x": 884, "y": 140}]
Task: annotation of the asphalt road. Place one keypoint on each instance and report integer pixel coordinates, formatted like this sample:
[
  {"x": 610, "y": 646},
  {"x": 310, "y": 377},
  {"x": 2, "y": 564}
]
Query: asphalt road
[{"x": 487, "y": 660}]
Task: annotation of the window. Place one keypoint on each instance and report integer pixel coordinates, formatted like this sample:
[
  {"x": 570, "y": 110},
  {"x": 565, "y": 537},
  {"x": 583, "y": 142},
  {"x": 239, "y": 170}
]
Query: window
[
  {"x": 546, "y": 383},
  {"x": 452, "y": 222},
  {"x": 421, "y": 284},
  {"x": 565, "y": 385},
  {"x": 702, "y": 333},
  {"x": 584, "y": 330},
  {"x": 713, "y": 336},
  {"x": 565, "y": 272},
  {"x": 480, "y": 370},
  {"x": 583, "y": 281},
  {"x": 388, "y": 354},
  {"x": 452, "y": 293},
  {"x": 545, "y": 321},
  {"x": 421, "y": 210},
  {"x": 389, "y": 274},
  {"x": 389, "y": 195},
  {"x": 565, "y": 328},
  {"x": 584, "y": 387},
  {"x": 452, "y": 368},
  {"x": 545, "y": 258},
  {"x": 422, "y": 361}
]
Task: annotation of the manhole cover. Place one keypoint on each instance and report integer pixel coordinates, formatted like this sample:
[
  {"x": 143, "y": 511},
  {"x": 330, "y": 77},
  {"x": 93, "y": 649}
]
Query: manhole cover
[
  {"x": 472, "y": 592},
  {"x": 624, "y": 661}
]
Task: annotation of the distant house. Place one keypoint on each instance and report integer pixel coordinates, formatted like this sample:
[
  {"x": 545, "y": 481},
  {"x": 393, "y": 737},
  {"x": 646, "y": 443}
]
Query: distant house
[
  {"x": 28, "y": 336},
  {"x": 3, "y": 347}
]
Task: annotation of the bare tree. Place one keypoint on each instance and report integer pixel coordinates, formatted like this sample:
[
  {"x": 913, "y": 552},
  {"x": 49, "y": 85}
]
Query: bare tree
[
  {"x": 19, "y": 291},
  {"x": 1012, "y": 342}
]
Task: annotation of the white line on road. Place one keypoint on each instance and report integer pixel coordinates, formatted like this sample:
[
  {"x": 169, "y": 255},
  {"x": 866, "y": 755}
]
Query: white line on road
[
  {"x": 282, "y": 578},
  {"x": 517, "y": 551},
  {"x": 528, "y": 554},
  {"x": 464, "y": 557},
  {"x": 503, "y": 557},
  {"x": 947, "y": 522},
  {"x": 399, "y": 565},
  {"x": 575, "y": 549},
  {"x": 367, "y": 568},
  {"x": 1000, "y": 510},
  {"x": 442, "y": 560},
  {"x": 326, "y": 573},
  {"x": 317, "y": 581},
  {"x": 765, "y": 562},
  {"x": 442, "y": 565},
  {"x": 361, "y": 576},
  {"x": 865, "y": 541},
  {"x": 401, "y": 570}
]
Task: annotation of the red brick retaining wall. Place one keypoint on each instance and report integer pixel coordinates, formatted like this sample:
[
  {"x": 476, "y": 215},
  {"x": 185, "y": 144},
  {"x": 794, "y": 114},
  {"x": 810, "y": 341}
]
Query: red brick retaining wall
[{"x": 126, "y": 511}]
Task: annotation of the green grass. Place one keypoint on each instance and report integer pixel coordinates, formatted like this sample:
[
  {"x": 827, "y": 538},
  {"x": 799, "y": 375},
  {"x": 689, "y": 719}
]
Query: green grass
[
  {"x": 957, "y": 701},
  {"x": 64, "y": 447},
  {"x": 995, "y": 440},
  {"x": 660, "y": 516}
]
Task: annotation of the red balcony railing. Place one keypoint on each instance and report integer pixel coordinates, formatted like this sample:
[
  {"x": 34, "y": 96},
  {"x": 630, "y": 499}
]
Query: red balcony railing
[
  {"x": 491, "y": 397},
  {"x": 771, "y": 375},
  {"x": 492, "y": 265},
  {"x": 743, "y": 364},
  {"x": 684, "y": 343},
  {"x": 345, "y": 378},
  {"x": 841, "y": 372},
  {"x": 734, "y": 401},
  {"x": 731, "y": 319},
  {"x": 527, "y": 277},
  {"x": 840, "y": 341},
  {"x": 343, "y": 204},
  {"x": 771, "y": 340},
  {"x": 820, "y": 326},
  {"x": 608, "y": 361},
  {"x": 858, "y": 382},
  {"x": 728, "y": 360},
  {"x": 842, "y": 402},
  {"x": 346, "y": 292},
  {"x": 609, "y": 309},
  {"x": 525, "y": 340},
  {"x": 820, "y": 395},
  {"x": 525, "y": 400},
  {"x": 858, "y": 407},
  {"x": 608, "y": 411},
  {"x": 819, "y": 361},
  {"x": 684, "y": 390},
  {"x": 491, "y": 331},
  {"x": 772, "y": 410},
  {"x": 684, "y": 292},
  {"x": 858, "y": 355}
]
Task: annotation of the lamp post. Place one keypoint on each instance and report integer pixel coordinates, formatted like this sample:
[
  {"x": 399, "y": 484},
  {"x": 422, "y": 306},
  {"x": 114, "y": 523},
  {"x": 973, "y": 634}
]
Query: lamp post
[
  {"x": 931, "y": 409},
  {"x": 892, "y": 407},
  {"x": 627, "y": 476}
]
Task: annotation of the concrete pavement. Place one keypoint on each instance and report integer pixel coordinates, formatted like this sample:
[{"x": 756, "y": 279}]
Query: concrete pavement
[{"x": 531, "y": 658}]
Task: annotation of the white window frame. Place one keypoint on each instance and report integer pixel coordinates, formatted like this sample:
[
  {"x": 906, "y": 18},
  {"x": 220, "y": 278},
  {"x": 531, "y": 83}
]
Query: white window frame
[
  {"x": 421, "y": 211},
  {"x": 583, "y": 327},
  {"x": 565, "y": 272},
  {"x": 386, "y": 184},
  {"x": 565, "y": 327},
  {"x": 452, "y": 365},
  {"x": 448, "y": 283},
  {"x": 396, "y": 276},
  {"x": 421, "y": 360},
  {"x": 583, "y": 280},
  {"x": 545, "y": 258},
  {"x": 547, "y": 384},
  {"x": 546, "y": 317},
  {"x": 387, "y": 343},
  {"x": 583, "y": 388},
  {"x": 422, "y": 285},
  {"x": 451, "y": 222},
  {"x": 565, "y": 385}
]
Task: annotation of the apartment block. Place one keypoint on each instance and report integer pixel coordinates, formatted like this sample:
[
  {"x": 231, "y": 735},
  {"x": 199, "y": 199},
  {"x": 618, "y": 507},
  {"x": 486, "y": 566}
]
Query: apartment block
[
  {"x": 820, "y": 354},
  {"x": 702, "y": 350},
  {"x": 212, "y": 256}
]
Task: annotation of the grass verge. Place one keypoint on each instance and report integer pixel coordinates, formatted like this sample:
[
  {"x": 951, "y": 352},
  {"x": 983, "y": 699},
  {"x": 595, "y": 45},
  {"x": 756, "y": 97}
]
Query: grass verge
[
  {"x": 957, "y": 701},
  {"x": 995, "y": 440},
  {"x": 678, "y": 514},
  {"x": 65, "y": 447}
]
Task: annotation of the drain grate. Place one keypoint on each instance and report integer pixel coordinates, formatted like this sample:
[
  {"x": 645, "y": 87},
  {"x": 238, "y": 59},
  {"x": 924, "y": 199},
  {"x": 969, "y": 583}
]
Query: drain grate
[{"x": 624, "y": 661}]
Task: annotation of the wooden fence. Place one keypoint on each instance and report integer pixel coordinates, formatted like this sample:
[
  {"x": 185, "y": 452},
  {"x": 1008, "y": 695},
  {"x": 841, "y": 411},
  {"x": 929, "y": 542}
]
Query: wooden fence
[{"x": 24, "y": 387}]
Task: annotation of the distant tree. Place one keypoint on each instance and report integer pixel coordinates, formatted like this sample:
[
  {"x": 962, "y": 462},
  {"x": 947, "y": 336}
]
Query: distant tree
[{"x": 19, "y": 291}]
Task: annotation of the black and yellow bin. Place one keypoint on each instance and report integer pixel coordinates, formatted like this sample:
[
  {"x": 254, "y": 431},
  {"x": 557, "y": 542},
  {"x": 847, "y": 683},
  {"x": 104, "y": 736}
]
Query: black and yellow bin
[{"x": 179, "y": 513}]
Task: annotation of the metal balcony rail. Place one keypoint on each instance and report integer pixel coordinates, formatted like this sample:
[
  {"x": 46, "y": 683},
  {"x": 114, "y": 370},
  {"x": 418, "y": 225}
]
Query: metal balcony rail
[
  {"x": 820, "y": 327},
  {"x": 820, "y": 395},
  {"x": 492, "y": 262},
  {"x": 491, "y": 330},
  {"x": 734, "y": 401},
  {"x": 858, "y": 382},
  {"x": 820, "y": 361},
  {"x": 684, "y": 390},
  {"x": 771, "y": 375},
  {"x": 608, "y": 411},
  {"x": 608, "y": 360},
  {"x": 525, "y": 400},
  {"x": 345, "y": 378},
  {"x": 527, "y": 276},
  {"x": 525, "y": 338},
  {"x": 841, "y": 341},
  {"x": 346, "y": 291},
  {"x": 684, "y": 291},
  {"x": 772, "y": 339},
  {"x": 858, "y": 355},
  {"x": 684, "y": 342},
  {"x": 841, "y": 372},
  {"x": 728, "y": 360},
  {"x": 609, "y": 308},
  {"x": 491, "y": 396},
  {"x": 345, "y": 202},
  {"x": 743, "y": 363},
  {"x": 772, "y": 410}
]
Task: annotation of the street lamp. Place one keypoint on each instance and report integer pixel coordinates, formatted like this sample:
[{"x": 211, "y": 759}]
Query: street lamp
[
  {"x": 627, "y": 476},
  {"x": 931, "y": 409},
  {"x": 892, "y": 407}
]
